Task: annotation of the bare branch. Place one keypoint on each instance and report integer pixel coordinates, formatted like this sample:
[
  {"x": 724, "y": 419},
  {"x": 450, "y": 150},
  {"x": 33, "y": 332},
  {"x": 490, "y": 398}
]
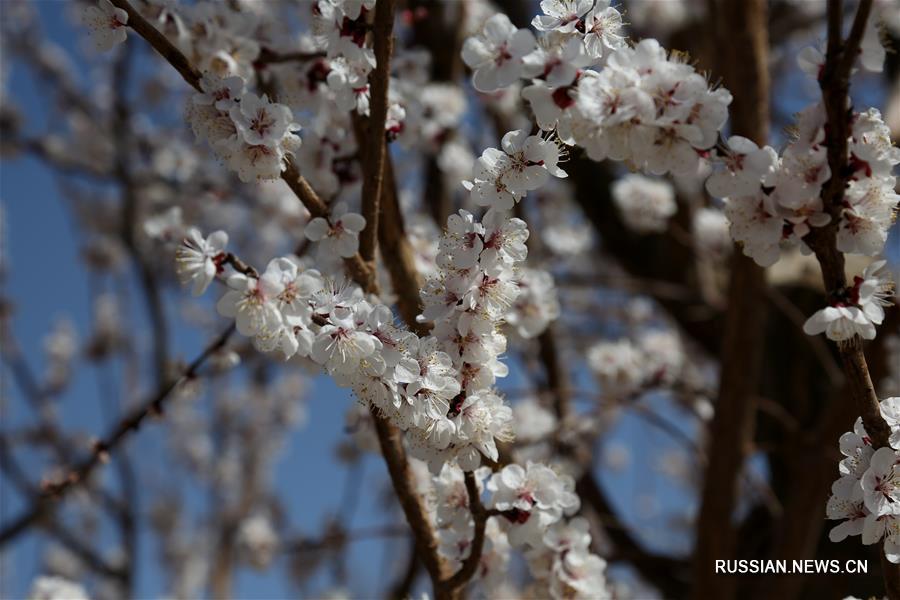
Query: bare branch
[
  {"x": 410, "y": 501},
  {"x": 101, "y": 449}
]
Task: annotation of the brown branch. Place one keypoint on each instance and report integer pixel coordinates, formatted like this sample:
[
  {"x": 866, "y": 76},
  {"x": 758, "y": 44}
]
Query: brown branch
[
  {"x": 458, "y": 580},
  {"x": 339, "y": 538},
  {"x": 744, "y": 66},
  {"x": 75, "y": 544},
  {"x": 240, "y": 266},
  {"x": 410, "y": 501},
  {"x": 396, "y": 252},
  {"x": 268, "y": 56},
  {"x": 835, "y": 84},
  {"x": 360, "y": 271},
  {"x": 373, "y": 165},
  {"x": 160, "y": 43},
  {"x": 101, "y": 449},
  {"x": 398, "y": 255}
]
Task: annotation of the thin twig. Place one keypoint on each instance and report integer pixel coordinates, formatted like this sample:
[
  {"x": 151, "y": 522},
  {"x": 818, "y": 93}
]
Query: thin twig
[{"x": 101, "y": 449}]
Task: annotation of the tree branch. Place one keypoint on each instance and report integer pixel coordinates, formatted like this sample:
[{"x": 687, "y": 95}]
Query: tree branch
[
  {"x": 100, "y": 451},
  {"x": 410, "y": 501},
  {"x": 160, "y": 43},
  {"x": 480, "y": 514},
  {"x": 835, "y": 84},
  {"x": 374, "y": 163},
  {"x": 746, "y": 73}
]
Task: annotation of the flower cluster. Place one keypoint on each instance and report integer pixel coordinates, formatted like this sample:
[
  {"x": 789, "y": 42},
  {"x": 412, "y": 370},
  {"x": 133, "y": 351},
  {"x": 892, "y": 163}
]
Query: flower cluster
[
  {"x": 623, "y": 367},
  {"x": 529, "y": 506},
  {"x": 650, "y": 109},
  {"x": 252, "y": 135},
  {"x": 773, "y": 202},
  {"x": 644, "y": 203},
  {"x": 574, "y": 34},
  {"x": 531, "y": 499},
  {"x": 340, "y": 28},
  {"x": 56, "y": 588},
  {"x": 476, "y": 288},
  {"x": 438, "y": 388},
  {"x": 855, "y": 310},
  {"x": 536, "y": 305},
  {"x": 453, "y": 516},
  {"x": 532, "y": 502},
  {"x": 866, "y": 497},
  {"x": 502, "y": 177}
]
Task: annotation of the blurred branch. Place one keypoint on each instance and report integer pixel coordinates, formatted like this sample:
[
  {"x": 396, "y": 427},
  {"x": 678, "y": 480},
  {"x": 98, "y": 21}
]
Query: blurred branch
[
  {"x": 76, "y": 475},
  {"x": 340, "y": 537},
  {"x": 818, "y": 346},
  {"x": 38, "y": 398},
  {"x": 668, "y": 574},
  {"x": 660, "y": 571},
  {"x": 43, "y": 150},
  {"x": 121, "y": 127},
  {"x": 160, "y": 43},
  {"x": 267, "y": 56},
  {"x": 73, "y": 543},
  {"x": 744, "y": 66},
  {"x": 402, "y": 588}
]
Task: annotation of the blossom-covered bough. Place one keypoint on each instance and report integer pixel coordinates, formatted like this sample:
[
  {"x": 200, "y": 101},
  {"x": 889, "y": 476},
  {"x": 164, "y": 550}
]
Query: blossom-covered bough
[{"x": 428, "y": 385}]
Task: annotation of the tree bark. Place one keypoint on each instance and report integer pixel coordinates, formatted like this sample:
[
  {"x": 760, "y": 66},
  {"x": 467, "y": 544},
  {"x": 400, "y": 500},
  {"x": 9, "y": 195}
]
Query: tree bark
[{"x": 744, "y": 67}]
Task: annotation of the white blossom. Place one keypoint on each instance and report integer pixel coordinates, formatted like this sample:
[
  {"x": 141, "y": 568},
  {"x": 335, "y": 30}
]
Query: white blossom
[
  {"x": 199, "y": 259},
  {"x": 339, "y": 234},
  {"x": 496, "y": 54},
  {"x": 107, "y": 24}
]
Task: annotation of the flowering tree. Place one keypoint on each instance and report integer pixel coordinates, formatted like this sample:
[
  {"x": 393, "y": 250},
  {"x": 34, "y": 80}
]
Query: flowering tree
[{"x": 420, "y": 200}]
